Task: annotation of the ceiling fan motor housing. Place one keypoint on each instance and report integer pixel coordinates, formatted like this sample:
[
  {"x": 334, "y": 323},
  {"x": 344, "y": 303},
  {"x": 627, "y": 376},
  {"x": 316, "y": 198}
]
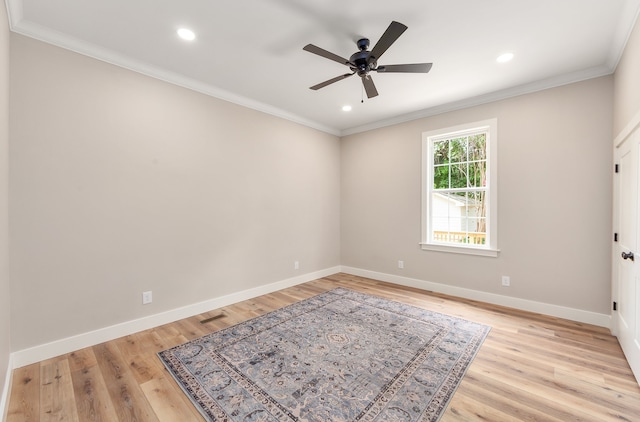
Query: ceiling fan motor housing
[
  {"x": 365, "y": 61},
  {"x": 361, "y": 59}
]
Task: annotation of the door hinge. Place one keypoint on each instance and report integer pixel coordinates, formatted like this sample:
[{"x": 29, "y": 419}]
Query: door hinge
[
  {"x": 615, "y": 237},
  {"x": 615, "y": 306},
  {"x": 617, "y": 168}
]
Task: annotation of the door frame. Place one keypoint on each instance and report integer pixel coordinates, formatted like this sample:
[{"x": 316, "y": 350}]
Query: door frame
[{"x": 624, "y": 135}]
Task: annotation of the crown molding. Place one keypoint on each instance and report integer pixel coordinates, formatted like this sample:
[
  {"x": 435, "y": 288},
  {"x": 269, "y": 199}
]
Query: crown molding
[
  {"x": 17, "y": 24},
  {"x": 15, "y": 12},
  {"x": 626, "y": 23},
  {"x": 541, "y": 85},
  {"x": 76, "y": 45}
]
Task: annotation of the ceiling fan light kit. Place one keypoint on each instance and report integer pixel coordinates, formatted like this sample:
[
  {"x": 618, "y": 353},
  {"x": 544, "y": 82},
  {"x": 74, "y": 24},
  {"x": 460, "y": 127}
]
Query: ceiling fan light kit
[{"x": 364, "y": 61}]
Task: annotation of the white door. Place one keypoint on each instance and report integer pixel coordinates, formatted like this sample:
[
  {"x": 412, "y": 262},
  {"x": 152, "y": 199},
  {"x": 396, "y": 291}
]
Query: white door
[{"x": 626, "y": 288}]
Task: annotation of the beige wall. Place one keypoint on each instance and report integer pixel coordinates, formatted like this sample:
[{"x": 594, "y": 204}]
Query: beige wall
[
  {"x": 121, "y": 183},
  {"x": 5, "y": 344},
  {"x": 554, "y": 186},
  {"x": 627, "y": 83}
]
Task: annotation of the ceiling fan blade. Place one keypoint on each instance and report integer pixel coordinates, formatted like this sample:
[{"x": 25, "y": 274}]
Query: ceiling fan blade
[
  {"x": 369, "y": 86},
  {"x": 405, "y": 68},
  {"x": 390, "y": 36},
  {"x": 326, "y": 54},
  {"x": 330, "y": 81}
]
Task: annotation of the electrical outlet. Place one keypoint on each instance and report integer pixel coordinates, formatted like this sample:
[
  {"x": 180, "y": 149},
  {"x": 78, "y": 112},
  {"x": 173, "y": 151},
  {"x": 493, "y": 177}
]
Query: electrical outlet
[
  {"x": 296, "y": 265},
  {"x": 147, "y": 297},
  {"x": 506, "y": 281},
  {"x": 400, "y": 264}
]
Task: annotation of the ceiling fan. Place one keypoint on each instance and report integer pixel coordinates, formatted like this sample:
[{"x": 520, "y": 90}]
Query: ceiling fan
[{"x": 364, "y": 61}]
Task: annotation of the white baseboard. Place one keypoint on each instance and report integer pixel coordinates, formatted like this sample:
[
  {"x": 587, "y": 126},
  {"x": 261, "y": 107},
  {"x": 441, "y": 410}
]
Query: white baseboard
[
  {"x": 59, "y": 347},
  {"x": 587, "y": 317},
  {"x": 41, "y": 352},
  {"x": 6, "y": 389}
]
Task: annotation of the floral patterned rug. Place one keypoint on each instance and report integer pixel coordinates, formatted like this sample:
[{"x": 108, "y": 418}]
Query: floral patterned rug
[{"x": 338, "y": 356}]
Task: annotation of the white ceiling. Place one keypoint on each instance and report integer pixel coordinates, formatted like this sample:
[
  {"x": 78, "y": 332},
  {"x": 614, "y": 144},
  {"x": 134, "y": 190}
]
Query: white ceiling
[{"x": 250, "y": 51}]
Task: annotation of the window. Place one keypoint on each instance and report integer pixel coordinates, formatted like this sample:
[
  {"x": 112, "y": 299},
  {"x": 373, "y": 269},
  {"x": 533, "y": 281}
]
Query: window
[{"x": 459, "y": 204}]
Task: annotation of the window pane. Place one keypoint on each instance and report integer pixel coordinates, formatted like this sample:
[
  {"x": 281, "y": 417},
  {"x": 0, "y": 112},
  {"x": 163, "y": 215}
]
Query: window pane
[
  {"x": 459, "y": 217},
  {"x": 481, "y": 225},
  {"x": 441, "y": 152},
  {"x": 455, "y": 223},
  {"x": 477, "y": 158},
  {"x": 476, "y": 237},
  {"x": 440, "y": 207},
  {"x": 477, "y": 205},
  {"x": 477, "y": 174},
  {"x": 441, "y": 177},
  {"x": 477, "y": 147},
  {"x": 459, "y": 175},
  {"x": 458, "y": 150},
  {"x": 440, "y": 224},
  {"x": 459, "y": 196}
]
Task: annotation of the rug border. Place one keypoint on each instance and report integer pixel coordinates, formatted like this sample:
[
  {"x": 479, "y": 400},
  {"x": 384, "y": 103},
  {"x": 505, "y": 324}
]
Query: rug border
[
  {"x": 482, "y": 336},
  {"x": 480, "y": 342}
]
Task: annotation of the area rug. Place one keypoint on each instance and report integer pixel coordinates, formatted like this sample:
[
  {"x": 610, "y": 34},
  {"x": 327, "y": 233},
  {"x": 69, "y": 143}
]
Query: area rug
[{"x": 338, "y": 356}]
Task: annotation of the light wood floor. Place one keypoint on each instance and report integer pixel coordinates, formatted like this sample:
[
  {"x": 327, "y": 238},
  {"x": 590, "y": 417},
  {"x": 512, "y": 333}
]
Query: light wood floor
[{"x": 530, "y": 367}]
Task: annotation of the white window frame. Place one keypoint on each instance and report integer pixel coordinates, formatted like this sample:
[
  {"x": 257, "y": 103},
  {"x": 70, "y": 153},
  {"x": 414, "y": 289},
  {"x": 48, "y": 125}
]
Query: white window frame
[{"x": 490, "y": 248}]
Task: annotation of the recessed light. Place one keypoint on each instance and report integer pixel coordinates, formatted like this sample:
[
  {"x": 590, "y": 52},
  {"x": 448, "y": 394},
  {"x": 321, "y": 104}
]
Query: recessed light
[
  {"x": 346, "y": 108},
  {"x": 186, "y": 34},
  {"x": 506, "y": 57}
]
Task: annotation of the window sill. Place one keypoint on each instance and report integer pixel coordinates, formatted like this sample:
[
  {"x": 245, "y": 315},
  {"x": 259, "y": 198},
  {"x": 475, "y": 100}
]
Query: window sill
[{"x": 466, "y": 250}]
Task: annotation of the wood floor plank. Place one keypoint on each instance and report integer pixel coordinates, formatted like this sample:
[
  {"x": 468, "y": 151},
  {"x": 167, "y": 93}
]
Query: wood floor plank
[
  {"x": 24, "y": 403},
  {"x": 57, "y": 398},
  {"x": 581, "y": 405},
  {"x": 135, "y": 350},
  {"x": 81, "y": 359},
  {"x": 477, "y": 404},
  {"x": 531, "y": 367},
  {"x": 93, "y": 402},
  {"x": 513, "y": 403},
  {"x": 161, "y": 395},
  {"x": 126, "y": 394}
]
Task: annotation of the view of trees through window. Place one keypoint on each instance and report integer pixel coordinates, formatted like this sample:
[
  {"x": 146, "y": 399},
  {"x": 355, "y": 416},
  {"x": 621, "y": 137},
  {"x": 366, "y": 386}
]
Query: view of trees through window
[{"x": 459, "y": 189}]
